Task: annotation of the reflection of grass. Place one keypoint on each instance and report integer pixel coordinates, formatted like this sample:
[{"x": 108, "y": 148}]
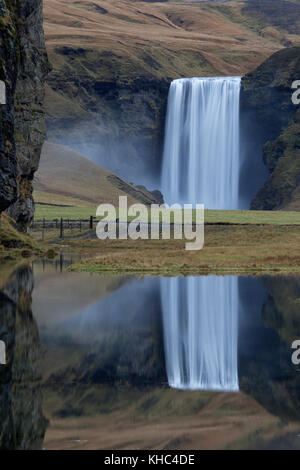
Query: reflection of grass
[
  {"x": 127, "y": 417},
  {"x": 146, "y": 403}
]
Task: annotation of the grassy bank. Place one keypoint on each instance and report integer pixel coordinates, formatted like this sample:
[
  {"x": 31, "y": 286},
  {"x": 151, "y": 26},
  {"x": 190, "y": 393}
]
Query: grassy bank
[
  {"x": 15, "y": 245},
  {"x": 236, "y": 249},
  {"x": 241, "y": 242}
]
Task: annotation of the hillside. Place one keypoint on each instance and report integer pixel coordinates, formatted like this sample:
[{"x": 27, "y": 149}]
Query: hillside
[
  {"x": 113, "y": 61},
  {"x": 66, "y": 177},
  {"x": 163, "y": 40}
]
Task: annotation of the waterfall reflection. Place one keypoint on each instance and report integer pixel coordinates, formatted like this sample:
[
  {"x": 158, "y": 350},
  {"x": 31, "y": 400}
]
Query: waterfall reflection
[{"x": 200, "y": 316}]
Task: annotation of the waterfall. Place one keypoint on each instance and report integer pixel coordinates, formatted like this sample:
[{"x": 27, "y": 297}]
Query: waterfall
[
  {"x": 201, "y": 154},
  {"x": 200, "y": 318}
]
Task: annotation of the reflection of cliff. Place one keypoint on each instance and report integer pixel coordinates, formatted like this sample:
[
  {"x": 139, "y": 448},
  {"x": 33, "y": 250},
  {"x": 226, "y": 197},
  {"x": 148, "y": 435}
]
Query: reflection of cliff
[
  {"x": 266, "y": 370},
  {"x": 282, "y": 309},
  {"x": 117, "y": 339},
  {"x": 22, "y": 424}
]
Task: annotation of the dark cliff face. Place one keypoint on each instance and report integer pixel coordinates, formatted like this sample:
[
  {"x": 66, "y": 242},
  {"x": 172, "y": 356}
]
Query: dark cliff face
[
  {"x": 22, "y": 424},
  {"x": 8, "y": 74},
  {"x": 30, "y": 128},
  {"x": 271, "y": 129},
  {"x": 24, "y": 67},
  {"x": 118, "y": 124}
]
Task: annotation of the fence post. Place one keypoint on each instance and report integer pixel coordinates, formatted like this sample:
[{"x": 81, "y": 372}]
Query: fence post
[
  {"x": 91, "y": 222},
  {"x": 80, "y": 225},
  {"x": 61, "y": 234},
  {"x": 43, "y": 230}
]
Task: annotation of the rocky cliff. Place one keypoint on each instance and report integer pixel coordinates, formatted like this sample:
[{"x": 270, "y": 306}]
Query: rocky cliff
[
  {"x": 8, "y": 74},
  {"x": 23, "y": 68},
  {"x": 272, "y": 125}
]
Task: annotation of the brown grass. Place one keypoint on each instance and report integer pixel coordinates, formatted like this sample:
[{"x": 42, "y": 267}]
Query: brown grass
[
  {"x": 222, "y": 40},
  {"x": 228, "y": 249},
  {"x": 15, "y": 245},
  {"x": 66, "y": 177}
]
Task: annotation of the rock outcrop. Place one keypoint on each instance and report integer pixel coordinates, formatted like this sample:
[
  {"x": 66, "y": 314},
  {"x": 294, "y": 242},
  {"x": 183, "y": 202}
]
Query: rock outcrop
[
  {"x": 272, "y": 124},
  {"x": 24, "y": 68},
  {"x": 8, "y": 74}
]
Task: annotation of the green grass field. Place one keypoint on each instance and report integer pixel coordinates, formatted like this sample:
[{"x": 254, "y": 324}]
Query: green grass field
[
  {"x": 253, "y": 217},
  {"x": 55, "y": 212},
  {"x": 211, "y": 216}
]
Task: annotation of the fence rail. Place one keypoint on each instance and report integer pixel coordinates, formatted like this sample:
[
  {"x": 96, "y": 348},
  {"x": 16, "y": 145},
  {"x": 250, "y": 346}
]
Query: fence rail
[
  {"x": 81, "y": 224},
  {"x": 64, "y": 224}
]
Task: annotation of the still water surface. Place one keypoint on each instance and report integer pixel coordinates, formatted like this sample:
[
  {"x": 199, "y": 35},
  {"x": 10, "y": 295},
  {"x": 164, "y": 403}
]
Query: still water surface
[{"x": 119, "y": 362}]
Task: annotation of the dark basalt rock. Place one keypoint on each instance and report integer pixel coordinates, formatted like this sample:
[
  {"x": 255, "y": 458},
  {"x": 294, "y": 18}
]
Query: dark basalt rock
[
  {"x": 8, "y": 74},
  {"x": 23, "y": 67},
  {"x": 271, "y": 129}
]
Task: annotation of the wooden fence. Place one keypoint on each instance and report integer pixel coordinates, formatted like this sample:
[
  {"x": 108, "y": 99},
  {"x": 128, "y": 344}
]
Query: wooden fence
[
  {"x": 64, "y": 224},
  {"x": 77, "y": 224}
]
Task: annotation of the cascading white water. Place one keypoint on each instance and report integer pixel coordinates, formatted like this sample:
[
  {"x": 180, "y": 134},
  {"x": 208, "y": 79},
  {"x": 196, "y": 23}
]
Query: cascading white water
[
  {"x": 200, "y": 317},
  {"x": 201, "y": 156}
]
